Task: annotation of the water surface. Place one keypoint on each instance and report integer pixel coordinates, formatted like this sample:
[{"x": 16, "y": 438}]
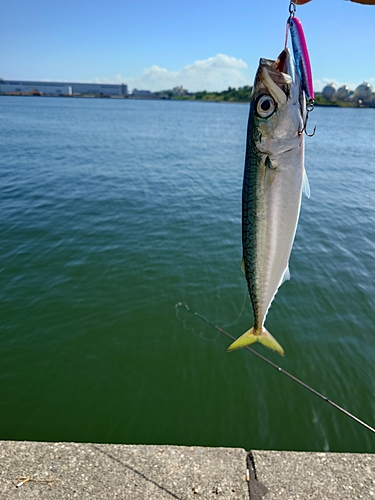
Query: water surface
[{"x": 114, "y": 210}]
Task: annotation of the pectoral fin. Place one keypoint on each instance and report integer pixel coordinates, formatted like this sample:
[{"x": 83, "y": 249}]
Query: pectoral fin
[{"x": 270, "y": 172}]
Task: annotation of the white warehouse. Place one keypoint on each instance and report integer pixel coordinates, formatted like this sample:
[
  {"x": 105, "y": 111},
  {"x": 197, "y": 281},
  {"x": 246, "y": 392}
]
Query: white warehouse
[{"x": 62, "y": 88}]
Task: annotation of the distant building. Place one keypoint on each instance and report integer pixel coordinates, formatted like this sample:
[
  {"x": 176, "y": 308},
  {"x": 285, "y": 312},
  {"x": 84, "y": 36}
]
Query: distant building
[
  {"x": 329, "y": 92},
  {"x": 62, "y": 88},
  {"x": 35, "y": 88},
  {"x": 179, "y": 91},
  {"x": 100, "y": 88},
  {"x": 343, "y": 93},
  {"x": 142, "y": 93},
  {"x": 363, "y": 92}
]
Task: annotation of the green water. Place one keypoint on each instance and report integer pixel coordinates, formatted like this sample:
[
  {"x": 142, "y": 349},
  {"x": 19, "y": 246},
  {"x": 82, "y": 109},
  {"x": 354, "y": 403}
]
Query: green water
[{"x": 111, "y": 213}]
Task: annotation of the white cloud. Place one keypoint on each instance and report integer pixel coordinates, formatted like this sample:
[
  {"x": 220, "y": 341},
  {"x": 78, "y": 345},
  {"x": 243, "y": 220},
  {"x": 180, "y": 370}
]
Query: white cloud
[
  {"x": 320, "y": 83},
  {"x": 214, "y": 73}
]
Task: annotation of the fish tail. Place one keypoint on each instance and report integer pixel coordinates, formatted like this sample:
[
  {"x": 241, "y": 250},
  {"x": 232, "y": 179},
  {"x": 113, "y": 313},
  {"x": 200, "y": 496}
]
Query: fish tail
[{"x": 260, "y": 335}]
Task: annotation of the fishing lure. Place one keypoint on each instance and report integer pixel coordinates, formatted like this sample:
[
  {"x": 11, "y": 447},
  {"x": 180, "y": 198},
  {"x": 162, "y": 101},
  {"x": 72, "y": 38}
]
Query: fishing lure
[
  {"x": 302, "y": 59},
  {"x": 301, "y": 56}
]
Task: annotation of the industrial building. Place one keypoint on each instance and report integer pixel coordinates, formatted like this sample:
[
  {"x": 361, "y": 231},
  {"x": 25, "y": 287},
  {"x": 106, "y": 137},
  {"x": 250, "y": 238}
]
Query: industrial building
[
  {"x": 62, "y": 88},
  {"x": 142, "y": 93},
  {"x": 363, "y": 94}
]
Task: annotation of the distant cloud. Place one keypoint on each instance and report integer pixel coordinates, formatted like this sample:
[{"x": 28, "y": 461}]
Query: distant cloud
[
  {"x": 215, "y": 73},
  {"x": 319, "y": 84}
]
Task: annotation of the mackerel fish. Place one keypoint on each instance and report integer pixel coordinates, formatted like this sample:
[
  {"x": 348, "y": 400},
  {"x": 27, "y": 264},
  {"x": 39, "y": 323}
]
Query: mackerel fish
[{"x": 274, "y": 178}]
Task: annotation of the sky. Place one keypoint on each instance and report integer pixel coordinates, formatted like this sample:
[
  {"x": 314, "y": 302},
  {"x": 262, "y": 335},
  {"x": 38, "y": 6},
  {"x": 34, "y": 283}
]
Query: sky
[{"x": 200, "y": 44}]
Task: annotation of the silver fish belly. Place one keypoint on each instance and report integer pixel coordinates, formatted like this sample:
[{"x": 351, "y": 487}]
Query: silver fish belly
[{"x": 272, "y": 188}]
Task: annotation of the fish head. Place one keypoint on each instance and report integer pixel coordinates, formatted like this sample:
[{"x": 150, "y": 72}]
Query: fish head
[{"x": 278, "y": 103}]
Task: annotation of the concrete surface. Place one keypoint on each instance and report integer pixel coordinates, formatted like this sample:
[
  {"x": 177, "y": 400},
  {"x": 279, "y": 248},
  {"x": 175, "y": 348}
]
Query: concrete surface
[
  {"x": 51, "y": 471},
  {"x": 104, "y": 471},
  {"x": 305, "y": 476}
]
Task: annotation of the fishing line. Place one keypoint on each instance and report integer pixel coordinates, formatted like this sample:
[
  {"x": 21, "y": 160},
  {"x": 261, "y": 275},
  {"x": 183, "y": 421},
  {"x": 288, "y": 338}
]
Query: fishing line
[
  {"x": 200, "y": 334},
  {"x": 278, "y": 368},
  {"x": 242, "y": 309}
]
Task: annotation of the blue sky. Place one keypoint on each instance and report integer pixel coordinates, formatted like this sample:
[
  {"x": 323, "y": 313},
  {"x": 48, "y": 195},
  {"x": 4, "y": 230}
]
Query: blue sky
[{"x": 158, "y": 44}]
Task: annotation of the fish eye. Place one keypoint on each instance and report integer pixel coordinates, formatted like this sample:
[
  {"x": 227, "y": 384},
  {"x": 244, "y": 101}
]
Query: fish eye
[{"x": 265, "y": 106}]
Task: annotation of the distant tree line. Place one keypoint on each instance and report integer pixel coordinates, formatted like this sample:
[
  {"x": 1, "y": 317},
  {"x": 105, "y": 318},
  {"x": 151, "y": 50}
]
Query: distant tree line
[{"x": 242, "y": 94}]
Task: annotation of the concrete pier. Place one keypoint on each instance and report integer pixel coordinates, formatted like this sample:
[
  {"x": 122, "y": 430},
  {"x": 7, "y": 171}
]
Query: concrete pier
[{"x": 56, "y": 471}]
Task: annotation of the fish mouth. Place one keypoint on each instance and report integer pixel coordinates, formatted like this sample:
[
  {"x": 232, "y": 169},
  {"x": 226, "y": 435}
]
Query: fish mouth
[{"x": 277, "y": 76}]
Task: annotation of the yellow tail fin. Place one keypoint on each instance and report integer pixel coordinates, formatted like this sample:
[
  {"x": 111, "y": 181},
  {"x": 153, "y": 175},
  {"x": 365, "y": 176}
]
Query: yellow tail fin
[{"x": 263, "y": 336}]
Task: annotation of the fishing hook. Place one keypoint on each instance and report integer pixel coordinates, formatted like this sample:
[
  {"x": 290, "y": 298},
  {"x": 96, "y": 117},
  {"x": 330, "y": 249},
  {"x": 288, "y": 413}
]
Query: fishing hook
[{"x": 309, "y": 108}]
